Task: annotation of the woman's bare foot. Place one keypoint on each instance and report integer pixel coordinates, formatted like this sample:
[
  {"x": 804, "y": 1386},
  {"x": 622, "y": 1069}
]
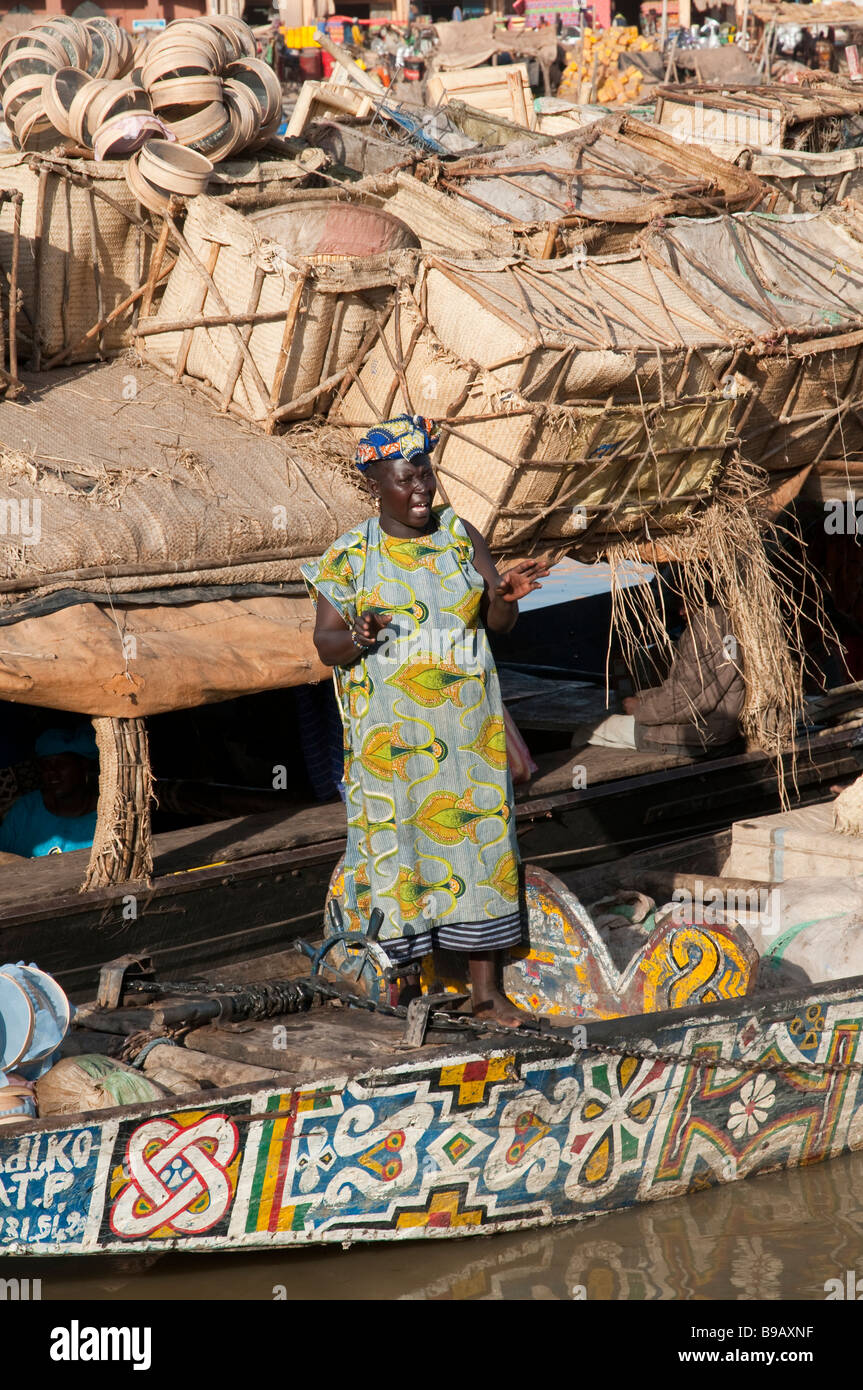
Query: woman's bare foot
[{"x": 497, "y": 1008}]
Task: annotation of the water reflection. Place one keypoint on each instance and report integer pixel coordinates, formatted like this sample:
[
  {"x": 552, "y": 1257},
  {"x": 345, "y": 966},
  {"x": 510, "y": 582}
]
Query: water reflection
[{"x": 777, "y": 1237}]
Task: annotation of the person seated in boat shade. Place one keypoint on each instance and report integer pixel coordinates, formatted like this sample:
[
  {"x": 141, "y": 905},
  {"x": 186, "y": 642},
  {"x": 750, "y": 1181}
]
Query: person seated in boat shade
[
  {"x": 697, "y": 707},
  {"x": 60, "y": 815}
]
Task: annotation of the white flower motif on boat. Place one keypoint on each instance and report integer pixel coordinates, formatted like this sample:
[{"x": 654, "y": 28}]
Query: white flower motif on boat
[{"x": 750, "y": 1111}]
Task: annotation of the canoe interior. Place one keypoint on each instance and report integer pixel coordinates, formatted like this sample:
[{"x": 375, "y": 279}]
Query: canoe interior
[{"x": 354, "y": 1045}]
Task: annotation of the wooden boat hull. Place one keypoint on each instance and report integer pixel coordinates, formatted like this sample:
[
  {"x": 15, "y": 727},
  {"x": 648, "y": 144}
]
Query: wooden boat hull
[{"x": 458, "y": 1140}]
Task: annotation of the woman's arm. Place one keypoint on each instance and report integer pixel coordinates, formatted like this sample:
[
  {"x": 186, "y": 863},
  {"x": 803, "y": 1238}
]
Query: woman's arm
[
  {"x": 499, "y": 609},
  {"x": 334, "y": 638}
]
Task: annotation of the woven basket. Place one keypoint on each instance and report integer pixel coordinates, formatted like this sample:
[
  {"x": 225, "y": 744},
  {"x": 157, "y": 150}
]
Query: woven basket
[
  {"x": 529, "y": 474},
  {"x": 328, "y": 311},
  {"x": 68, "y": 294},
  {"x": 521, "y": 360}
]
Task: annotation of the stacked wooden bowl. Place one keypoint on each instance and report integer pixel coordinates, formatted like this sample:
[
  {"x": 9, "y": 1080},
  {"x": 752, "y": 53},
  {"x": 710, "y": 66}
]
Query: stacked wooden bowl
[
  {"x": 198, "y": 83},
  {"x": 204, "y": 81},
  {"x": 162, "y": 168},
  {"x": 61, "y": 64}
]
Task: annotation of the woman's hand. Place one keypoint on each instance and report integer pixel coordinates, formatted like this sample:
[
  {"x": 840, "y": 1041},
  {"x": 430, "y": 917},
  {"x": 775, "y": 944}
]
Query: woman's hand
[
  {"x": 521, "y": 580},
  {"x": 367, "y": 627},
  {"x": 339, "y": 643}
]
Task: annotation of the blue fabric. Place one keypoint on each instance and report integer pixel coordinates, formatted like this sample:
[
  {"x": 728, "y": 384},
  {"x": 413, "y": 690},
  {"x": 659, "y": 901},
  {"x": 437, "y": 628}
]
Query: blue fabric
[
  {"x": 80, "y": 740},
  {"x": 30, "y": 829},
  {"x": 321, "y": 738}
]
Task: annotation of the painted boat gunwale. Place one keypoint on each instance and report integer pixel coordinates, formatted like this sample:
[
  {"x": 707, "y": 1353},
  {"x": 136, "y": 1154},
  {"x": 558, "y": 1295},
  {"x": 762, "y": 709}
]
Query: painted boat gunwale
[{"x": 600, "y": 1033}]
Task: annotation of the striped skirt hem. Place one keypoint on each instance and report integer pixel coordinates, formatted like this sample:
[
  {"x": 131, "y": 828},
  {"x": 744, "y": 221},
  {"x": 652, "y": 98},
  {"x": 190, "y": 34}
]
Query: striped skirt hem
[{"x": 498, "y": 935}]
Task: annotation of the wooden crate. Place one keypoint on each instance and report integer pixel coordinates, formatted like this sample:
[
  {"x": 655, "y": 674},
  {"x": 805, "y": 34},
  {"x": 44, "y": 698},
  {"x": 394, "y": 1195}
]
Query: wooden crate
[{"x": 500, "y": 91}]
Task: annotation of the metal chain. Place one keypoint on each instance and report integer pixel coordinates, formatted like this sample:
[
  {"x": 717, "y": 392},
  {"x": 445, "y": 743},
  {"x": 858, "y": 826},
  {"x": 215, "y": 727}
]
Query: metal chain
[
  {"x": 455, "y": 1022},
  {"x": 525, "y": 1034},
  {"x": 464, "y": 1023}
]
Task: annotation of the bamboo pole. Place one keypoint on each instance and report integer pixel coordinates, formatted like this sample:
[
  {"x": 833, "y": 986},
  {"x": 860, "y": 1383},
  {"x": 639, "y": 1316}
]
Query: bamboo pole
[
  {"x": 285, "y": 345},
  {"x": 17, "y": 199},
  {"x": 592, "y": 95},
  {"x": 203, "y": 290},
  {"x": 3, "y": 331},
  {"x": 97, "y": 272},
  {"x": 155, "y": 267},
  {"x": 237, "y": 364},
  {"x": 330, "y": 382},
  {"x": 38, "y": 235}
]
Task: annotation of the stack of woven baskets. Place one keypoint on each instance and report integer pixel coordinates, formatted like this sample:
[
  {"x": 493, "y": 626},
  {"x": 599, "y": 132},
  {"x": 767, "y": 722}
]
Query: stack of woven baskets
[{"x": 198, "y": 84}]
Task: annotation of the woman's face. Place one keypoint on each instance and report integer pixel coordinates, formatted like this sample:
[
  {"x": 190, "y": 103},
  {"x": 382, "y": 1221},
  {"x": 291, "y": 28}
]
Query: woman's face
[{"x": 406, "y": 488}]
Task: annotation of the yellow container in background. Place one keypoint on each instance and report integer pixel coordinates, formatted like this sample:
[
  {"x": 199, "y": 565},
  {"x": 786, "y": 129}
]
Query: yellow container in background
[{"x": 300, "y": 37}]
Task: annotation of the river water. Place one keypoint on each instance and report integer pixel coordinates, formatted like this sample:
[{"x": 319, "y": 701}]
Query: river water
[{"x": 781, "y": 1236}]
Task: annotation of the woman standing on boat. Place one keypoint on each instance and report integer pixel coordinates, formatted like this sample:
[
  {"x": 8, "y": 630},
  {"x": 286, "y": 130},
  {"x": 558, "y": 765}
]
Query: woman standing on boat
[{"x": 431, "y": 833}]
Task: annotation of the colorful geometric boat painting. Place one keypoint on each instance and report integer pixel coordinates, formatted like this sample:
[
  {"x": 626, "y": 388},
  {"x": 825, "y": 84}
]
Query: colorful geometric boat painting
[{"x": 453, "y": 1141}]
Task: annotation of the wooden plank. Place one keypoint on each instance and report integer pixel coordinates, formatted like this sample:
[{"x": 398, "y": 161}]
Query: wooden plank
[
  {"x": 205, "y": 1067},
  {"x": 325, "y": 1041},
  {"x": 548, "y": 704},
  {"x": 800, "y": 843}
]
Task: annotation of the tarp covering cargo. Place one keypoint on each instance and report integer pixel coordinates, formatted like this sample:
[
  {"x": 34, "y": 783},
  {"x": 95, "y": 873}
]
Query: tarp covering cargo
[
  {"x": 618, "y": 172},
  {"x": 116, "y": 481},
  {"x": 468, "y": 43},
  {"x": 743, "y": 308},
  {"x": 840, "y": 14},
  {"x": 131, "y": 661}
]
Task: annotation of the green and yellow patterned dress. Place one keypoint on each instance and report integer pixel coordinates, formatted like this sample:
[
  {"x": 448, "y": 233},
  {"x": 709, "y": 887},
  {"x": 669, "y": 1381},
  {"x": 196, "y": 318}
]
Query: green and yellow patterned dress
[{"x": 431, "y": 833}]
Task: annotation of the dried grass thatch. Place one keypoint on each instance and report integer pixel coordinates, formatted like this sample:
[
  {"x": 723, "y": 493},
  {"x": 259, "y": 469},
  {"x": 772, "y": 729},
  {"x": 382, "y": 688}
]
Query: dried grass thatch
[{"x": 737, "y": 551}]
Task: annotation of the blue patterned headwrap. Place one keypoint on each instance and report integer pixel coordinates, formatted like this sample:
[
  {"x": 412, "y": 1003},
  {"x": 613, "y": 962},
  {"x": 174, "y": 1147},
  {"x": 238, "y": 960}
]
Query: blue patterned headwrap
[{"x": 403, "y": 437}]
